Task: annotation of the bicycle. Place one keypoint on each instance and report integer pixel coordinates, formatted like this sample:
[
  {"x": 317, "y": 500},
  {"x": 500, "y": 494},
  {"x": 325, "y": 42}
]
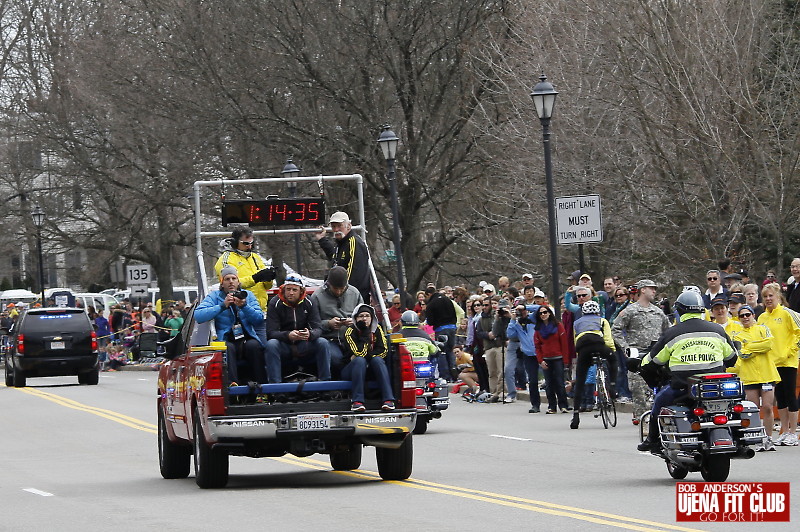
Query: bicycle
[{"x": 606, "y": 409}]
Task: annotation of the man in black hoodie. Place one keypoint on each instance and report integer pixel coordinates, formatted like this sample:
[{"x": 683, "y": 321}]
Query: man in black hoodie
[
  {"x": 441, "y": 315},
  {"x": 294, "y": 329}
]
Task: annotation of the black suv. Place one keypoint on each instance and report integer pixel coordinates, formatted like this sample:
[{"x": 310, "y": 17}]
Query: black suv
[{"x": 50, "y": 342}]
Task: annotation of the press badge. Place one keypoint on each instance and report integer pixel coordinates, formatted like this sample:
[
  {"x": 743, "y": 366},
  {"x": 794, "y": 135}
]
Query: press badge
[
  {"x": 238, "y": 331},
  {"x": 767, "y": 387}
]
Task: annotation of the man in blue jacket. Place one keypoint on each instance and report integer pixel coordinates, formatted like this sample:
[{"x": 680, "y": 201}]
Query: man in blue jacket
[
  {"x": 521, "y": 328},
  {"x": 235, "y": 320}
]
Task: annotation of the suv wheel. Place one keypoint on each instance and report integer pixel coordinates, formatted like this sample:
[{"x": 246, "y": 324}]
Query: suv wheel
[
  {"x": 9, "y": 376},
  {"x": 90, "y": 377},
  {"x": 19, "y": 379}
]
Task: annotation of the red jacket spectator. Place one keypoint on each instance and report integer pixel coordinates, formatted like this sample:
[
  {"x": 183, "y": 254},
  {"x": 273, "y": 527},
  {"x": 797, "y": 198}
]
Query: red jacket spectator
[{"x": 554, "y": 346}]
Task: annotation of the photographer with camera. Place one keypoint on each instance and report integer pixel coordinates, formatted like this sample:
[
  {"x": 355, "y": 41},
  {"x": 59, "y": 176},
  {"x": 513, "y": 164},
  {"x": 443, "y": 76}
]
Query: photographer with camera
[
  {"x": 521, "y": 328},
  {"x": 236, "y": 314},
  {"x": 252, "y": 270}
]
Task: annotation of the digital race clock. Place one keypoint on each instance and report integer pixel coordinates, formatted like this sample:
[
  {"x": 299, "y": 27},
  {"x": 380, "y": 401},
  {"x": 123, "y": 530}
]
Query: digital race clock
[{"x": 295, "y": 211}]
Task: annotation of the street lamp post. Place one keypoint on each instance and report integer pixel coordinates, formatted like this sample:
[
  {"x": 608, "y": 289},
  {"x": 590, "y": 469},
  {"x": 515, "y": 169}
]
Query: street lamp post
[
  {"x": 291, "y": 170},
  {"x": 388, "y": 142},
  {"x": 38, "y": 219},
  {"x": 544, "y": 98}
]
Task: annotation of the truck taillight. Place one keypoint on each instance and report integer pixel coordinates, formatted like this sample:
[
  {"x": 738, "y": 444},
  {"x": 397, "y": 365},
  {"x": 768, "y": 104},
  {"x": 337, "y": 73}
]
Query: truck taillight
[
  {"x": 20, "y": 343},
  {"x": 215, "y": 402},
  {"x": 408, "y": 391},
  {"x": 214, "y": 379},
  {"x": 94, "y": 341}
]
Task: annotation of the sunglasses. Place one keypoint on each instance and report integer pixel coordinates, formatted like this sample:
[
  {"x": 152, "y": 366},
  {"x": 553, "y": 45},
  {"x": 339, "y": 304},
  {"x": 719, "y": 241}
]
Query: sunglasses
[
  {"x": 712, "y": 278},
  {"x": 620, "y": 295},
  {"x": 582, "y": 295},
  {"x": 745, "y": 315},
  {"x": 247, "y": 243},
  {"x": 544, "y": 312}
]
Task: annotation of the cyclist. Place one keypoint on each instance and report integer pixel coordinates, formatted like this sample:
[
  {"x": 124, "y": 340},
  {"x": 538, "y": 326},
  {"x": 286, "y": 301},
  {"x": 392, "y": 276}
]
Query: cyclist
[
  {"x": 592, "y": 337},
  {"x": 690, "y": 347}
]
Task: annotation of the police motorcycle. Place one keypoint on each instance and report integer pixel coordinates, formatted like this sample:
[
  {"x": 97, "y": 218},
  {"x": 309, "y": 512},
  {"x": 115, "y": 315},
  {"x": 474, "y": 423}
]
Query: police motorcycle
[
  {"x": 707, "y": 427},
  {"x": 432, "y": 394}
]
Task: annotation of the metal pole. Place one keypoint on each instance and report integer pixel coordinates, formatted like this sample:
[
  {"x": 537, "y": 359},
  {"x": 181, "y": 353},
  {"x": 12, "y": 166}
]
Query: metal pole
[
  {"x": 551, "y": 215},
  {"x": 298, "y": 259},
  {"x": 581, "y": 263},
  {"x": 398, "y": 252},
  {"x": 41, "y": 263}
]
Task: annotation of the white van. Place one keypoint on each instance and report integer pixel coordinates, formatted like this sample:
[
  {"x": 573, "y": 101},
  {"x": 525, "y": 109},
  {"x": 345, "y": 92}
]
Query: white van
[
  {"x": 101, "y": 302},
  {"x": 185, "y": 293}
]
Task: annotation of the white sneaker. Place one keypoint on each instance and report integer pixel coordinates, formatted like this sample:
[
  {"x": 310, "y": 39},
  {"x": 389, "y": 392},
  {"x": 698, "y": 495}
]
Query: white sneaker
[
  {"x": 509, "y": 399},
  {"x": 791, "y": 440},
  {"x": 780, "y": 438},
  {"x": 769, "y": 445}
]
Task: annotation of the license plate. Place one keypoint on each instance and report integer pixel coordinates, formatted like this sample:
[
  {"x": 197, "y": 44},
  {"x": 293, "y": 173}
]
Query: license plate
[
  {"x": 313, "y": 422},
  {"x": 717, "y": 406},
  {"x": 57, "y": 345}
]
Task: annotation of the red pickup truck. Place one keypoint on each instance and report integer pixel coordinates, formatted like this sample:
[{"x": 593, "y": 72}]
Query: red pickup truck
[{"x": 200, "y": 415}]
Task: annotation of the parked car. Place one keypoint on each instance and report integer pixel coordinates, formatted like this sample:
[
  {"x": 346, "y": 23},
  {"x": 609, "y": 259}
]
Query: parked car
[{"x": 51, "y": 342}]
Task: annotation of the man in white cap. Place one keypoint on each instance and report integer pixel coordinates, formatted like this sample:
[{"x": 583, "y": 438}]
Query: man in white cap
[{"x": 348, "y": 251}]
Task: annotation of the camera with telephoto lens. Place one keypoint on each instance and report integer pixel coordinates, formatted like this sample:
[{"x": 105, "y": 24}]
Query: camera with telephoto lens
[{"x": 240, "y": 294}]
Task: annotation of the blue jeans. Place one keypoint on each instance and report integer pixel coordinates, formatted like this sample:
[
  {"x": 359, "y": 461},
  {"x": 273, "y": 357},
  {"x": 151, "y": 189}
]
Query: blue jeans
[
  {"x": 666, "y": 396},
  {"x": 279, "y": 358},
  {"x": 510, "y": 368},
  {"x": 622, "y": 376},
  {"x": 248, "y": 353},
  {"x": 447, "y": 359},
  {"x": 356, "y": 372},
  {"x": 335, "y": 356},
  {"x": 554, "y": 379},
  {"x": 532, "y": 369}
]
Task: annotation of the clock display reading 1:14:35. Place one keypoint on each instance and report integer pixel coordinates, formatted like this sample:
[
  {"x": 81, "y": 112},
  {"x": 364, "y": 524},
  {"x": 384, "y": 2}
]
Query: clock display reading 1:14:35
[{"x": 295, "y": 211}]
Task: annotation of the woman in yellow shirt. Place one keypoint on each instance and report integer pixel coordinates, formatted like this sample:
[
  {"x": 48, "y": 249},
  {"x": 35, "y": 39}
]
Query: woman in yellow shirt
[
  {"x": 756, "y": 367},
  {"x": 784, "y": 324}
]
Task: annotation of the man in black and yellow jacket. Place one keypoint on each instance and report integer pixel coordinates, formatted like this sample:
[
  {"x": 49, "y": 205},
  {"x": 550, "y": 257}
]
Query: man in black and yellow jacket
[
  {"x": 688, "y": 348},
  {"x": 349, "y": 251}
]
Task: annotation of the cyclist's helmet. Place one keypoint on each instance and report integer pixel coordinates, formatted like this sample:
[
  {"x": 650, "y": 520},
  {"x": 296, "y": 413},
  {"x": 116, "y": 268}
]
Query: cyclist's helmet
[
  {"x": 691, "y": 288},
  {"x": 409, "y": 319},
  {"x": 591, "y": 307},
  {"x": 690, "y": 301}
]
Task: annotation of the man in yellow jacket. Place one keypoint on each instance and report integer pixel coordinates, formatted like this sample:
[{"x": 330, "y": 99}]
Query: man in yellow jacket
[
  {"x": 254, "y": 274},
  {"x": 784, "y": 324}
]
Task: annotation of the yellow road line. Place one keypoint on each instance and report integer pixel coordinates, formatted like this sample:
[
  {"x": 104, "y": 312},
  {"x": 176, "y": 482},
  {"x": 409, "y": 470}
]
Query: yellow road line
[
  {"x": 521, "y": 503},
  {"x": 117, "y": 417},
  {"x": 630, "y": 523}
]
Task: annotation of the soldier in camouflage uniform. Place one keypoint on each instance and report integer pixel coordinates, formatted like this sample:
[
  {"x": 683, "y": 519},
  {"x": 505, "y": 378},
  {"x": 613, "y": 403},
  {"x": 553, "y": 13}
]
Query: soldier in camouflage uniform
[{"x": 639, "y": 325}]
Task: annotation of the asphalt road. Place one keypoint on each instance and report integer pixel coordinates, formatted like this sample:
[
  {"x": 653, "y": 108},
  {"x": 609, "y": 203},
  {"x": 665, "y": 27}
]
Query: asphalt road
[{"x": 84, "y": 458}]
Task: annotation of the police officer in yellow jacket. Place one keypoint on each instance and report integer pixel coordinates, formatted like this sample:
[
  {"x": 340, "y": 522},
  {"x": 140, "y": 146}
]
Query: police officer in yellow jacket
[
  {"x": 688, "y": 348},
  {"x": 254, "y": 274}
]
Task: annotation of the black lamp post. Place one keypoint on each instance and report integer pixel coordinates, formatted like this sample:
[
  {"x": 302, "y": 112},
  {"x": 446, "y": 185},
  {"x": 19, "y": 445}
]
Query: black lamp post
[
  {"x": 291, "y": 170},
  {"x": 38, "y": 219},
  {"x": 388, "y": 142},
  {"x": 544, "y": 98}
]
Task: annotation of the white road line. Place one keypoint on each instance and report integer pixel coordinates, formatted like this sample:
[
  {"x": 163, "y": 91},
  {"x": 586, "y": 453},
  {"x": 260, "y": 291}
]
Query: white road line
[
  {"x": 509, "y": 437},
  {"x": 141, "y": 379},
  {"x": 38, "y": 492}
]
